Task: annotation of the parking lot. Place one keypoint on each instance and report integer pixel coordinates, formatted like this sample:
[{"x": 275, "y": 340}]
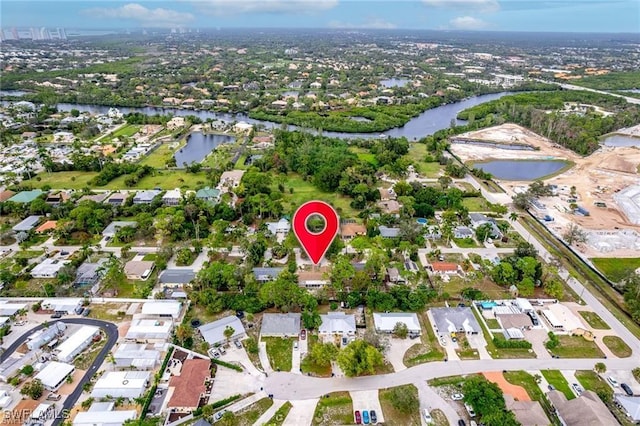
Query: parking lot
[{"x": 367, "y": 400}]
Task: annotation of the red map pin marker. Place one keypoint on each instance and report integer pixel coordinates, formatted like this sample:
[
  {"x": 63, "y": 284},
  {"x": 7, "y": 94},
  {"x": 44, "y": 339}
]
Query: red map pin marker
[{"x": 315, "y": 243}]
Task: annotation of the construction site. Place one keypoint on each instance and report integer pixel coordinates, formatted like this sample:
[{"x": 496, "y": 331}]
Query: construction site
[{"x": 600, "y": 193}]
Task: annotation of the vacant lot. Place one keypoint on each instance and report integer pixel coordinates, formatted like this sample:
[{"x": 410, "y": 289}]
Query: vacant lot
[
  {"x": 249, "y": 415},
  {"x": 576, "y": 347},
  {"x": 336, "y": 409},
  {"x": 616, "y": 269},
  {"x": 393, "y": 416},
  {"x": 555, "y": 378},
  {"x": 279, "y": 351}
]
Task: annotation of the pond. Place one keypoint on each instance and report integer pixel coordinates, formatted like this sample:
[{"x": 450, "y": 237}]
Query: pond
[
  {"x": 621, "y": 140},
  {"x": 199, "y": 146},
  {"x": 394, "y": 82},
  {"x": 521, "y": 169},
  {"x": 16, "y": 93}
]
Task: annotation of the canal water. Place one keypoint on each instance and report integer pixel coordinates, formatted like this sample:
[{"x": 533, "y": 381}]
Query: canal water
[
  {"x": 520, "y": 169},
  {"x": 199, "y": 146}
]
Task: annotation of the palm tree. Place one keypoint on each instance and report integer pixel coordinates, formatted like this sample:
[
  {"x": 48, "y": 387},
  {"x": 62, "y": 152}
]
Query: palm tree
[{"x": 513, "y": 216}]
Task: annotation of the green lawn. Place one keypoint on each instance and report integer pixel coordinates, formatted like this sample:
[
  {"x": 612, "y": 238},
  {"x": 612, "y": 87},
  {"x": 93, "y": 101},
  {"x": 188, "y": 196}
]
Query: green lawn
[
  {"x": 616, "y": 269},
  {"x": 61, "y": 180},
  {"x": 364, "y": 155},
  {"x": 617, "y": 346},
  {"x": 280, "y": 351},
  {"x": 304, "y": 191},
  {"x": 280, "y": 415},
  {"x": 428, "y": 349},
  {"x": 417, "y": 154},
  {"x": 159, "y": 157},
  {"x": 475, "y": 204},
  {"x": 576, "y": 347},
  {"x": 337, "y": 409},
  {"x": 126, "y": 131},
  {"x": 249, "y": 415},
  {"x": 590, "y": 380},
  {"x": 594, "y": 320},
  {"x": 465, "y": 242},
  {"x": 528, "y": 382},
  {"x": 309, "y": 367},
  {"x": 392, "y": 416},
  {"x": 555, "y": 378},
  {"x": 492, "y": 323}
]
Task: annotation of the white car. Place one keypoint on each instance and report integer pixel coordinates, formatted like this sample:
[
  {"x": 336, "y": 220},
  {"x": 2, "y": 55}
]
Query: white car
[
  {"x": 295, "y": 346},
  {"x": 427, "y": 416},
  {"x": 577, "y": 388},
  {"x": 613, "y": 381},
  {"x": 457, "y": 397}
]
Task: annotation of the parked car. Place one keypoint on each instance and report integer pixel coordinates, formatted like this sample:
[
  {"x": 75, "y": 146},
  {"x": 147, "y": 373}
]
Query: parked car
[
  {"x": 461, "y": 423},
  {"x": 457, "y": 397},
  {"x": 222, "y": 350},
  {"x": 427, "y": 416},
  {"x": 365, "y": 417},
  {"x": 443, "y": 341},
  {"x": 56, "y": 315},
  {"x": 551, "y": 387},
  {"x": 303, "y": 334},
  {"x": 613, "y": 381},
  {"x": 295, "y": 346},
  {"x": 577, "y": 388},
  {"x": 627, "y": 389},
  {"x": 53, "y": 397},
  {"x": 219, "y": 415},
  {"x": 358, "y": 417},
  {"x": 86, "y": 312},
  {"x": 374, "y": 417},
  {"x": 78, "y": 310},
  {"x": 470, "y": 410},
  {"x": 238, "y": 344}
]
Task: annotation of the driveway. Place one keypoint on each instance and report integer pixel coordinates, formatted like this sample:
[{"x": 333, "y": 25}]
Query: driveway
[
  {"x": 431, "y": 400},
  {"x": 624, "y": 376},
  {"x": 240, "y": 356},
  {"x": 367, "y": 400},
  {"x": 478, "y": 342},
  {"x": 301, "y": 412},
  {"x": 571, "y": 378},
  {"x": 297, "y": 355},
  {"x": 264, "y": 358},
  {"x": 397, "y": 349},
  {"x": 537, "y": 338},
  {"x": 229, "y": 382}
]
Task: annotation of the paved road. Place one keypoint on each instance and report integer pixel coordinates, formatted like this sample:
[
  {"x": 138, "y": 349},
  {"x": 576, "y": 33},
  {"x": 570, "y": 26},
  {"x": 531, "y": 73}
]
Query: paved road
[
  {"x": 110, "y": 330},
  {"x": 293, "y": 386}
]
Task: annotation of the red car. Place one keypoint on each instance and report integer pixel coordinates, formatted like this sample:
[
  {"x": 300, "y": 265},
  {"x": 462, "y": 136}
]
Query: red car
[
  {"x": 358, "y": 418},
  {"x": 303, "y": 334}
]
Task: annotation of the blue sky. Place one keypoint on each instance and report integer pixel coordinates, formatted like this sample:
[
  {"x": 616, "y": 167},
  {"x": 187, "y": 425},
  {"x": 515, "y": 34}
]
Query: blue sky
[{"x": 492, "y": 15}]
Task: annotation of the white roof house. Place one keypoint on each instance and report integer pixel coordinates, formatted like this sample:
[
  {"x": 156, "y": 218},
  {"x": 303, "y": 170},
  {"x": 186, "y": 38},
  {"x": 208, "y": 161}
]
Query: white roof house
[
  {"x": 14, "y": 363},
  {"x": 48, "y": 268},
  {"x": 136, "y": 355},
  {"x": 60, "y": 304},
  {"x": 283, "y": 226},
  {"x": 524, "y": 305},
  {"x": 45, "y": 335},
  {"x": 337, "y": 323},
  {"x": 126, "y": 384},
  {"x": 149, "y": 329},
  {"x": 213, "y": 332},
  {"x": 41, "y": 413},
  {"x": 9, "y": 308},
  {"x": 112, "y": 228},
  {"x": 103, "y": 414},
  {"x": 76, "y": 343},
  {"x": 630, "y": 404},
  {"x": 54, "y": 374},
  {"x": 172, "y": 197},
  {"x": 162, "y": 308},
  {"x": 386, "y": 322}
]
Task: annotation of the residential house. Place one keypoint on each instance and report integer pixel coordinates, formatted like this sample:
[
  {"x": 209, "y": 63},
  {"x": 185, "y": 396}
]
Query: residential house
[
  {"x": 176, "y": 278},
  {"x": 89, "y": 273},
  {"x": 47, "y": 226},
  {"x": 27, "y": 224},
  {"x": 96, "y": 198},
  {"x": 6, "y": 195},
  {"x": 389, "y": 207},
  {"x": 312, "y": 279},
  {"x": 146, "y": 197},
  {"x": 26, "y": 196},
  {"x": 111, "y": 229},
  {"x": 210, "y": 195},
  {"x": 149, "y": 330},
  {"x": 264, "y": 275},
  {"x": 387, "y": 194},
  {"x": 386, "y": 322},
  {"x": 162, "y": 309},
  {"x": 230, "y": 180},
  {"x": 630, "y": 404},
  {"x": 393, "y": 276},
  {"x": 280, "y": 325},
  {"x": 478, "y": 219},
  {"x": 48, "y": 268},
  {"x": 137, "y": 356},
  {"x": 585, "y": 410},
  {"x": 57, "y": 198},
  {"x": 76, "y": 343},
  {"x": 117, "y": 199},
  {"x": 121, "y": 384},
  {"x": 444, "y": 268},
  {"x": 175, "y": 122},
  {"x": 103, "y": 414},
  {"x": 463, "y": 232},
  {"x": 213, "y": 332},
  {"x": 45, "y": 335},
  {"x": 189, "y": 387},
  {"x": 528, "y": 413},
  {"x": 138, "y": 269},
  {"x": 67, "y": 305},
  {"x": 455, "y": 320},
  {"x": 350, "y": 230},
  {"x": 337, "y": 323},
  {"x": 387, "y": 232},
  {"x": 54, "y": 375},
  {"x": 279, "y": 228},
  {"x": 172, "y": 197}
]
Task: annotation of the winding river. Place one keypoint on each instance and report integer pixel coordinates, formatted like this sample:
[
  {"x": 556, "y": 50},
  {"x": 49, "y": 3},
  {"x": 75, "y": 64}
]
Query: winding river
[{"x": 424, "y": 124}]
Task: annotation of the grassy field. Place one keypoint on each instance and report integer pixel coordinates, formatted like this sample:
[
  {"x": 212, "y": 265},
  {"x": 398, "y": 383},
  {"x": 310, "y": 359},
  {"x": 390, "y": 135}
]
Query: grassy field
[
  {"x": 616, "y": 269},
  {"x": 337, "y": 409},
  {"x": 555, "y": 378},
  {"x": 617, "y": 346},
  {"x": 304, "y": 191},
  {"x": 249, "y": 415},
  {"x": 576, "y": 347},
  {"x": 61, "y": 180},
  {"x": 364, "y": 155},
  {"x": 280, "y": 415},
  {"x": 475, "y": 204},
  {"x": 465, "y": 242},
  {"x": 591, "y": 381},
  {"x": 158, "y": 158},
  {"x": 594, "y": 320},
  {"x": 392, "y": 416},
  {"x": 417, "y": 154},
  {"x": 280, "y": 351}
]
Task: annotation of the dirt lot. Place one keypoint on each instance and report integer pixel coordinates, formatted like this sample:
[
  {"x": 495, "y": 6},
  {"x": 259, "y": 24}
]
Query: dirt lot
[
  {"x": 596, "y": 178},
  {"x": 518, "y": 392}
]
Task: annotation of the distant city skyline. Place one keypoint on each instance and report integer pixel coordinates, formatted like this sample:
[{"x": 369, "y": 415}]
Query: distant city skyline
[{"x": 612, "y": 16}]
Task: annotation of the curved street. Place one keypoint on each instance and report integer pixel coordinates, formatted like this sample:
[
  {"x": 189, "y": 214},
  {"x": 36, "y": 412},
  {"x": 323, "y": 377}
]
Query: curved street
[{"x": 111, "y": 332}]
